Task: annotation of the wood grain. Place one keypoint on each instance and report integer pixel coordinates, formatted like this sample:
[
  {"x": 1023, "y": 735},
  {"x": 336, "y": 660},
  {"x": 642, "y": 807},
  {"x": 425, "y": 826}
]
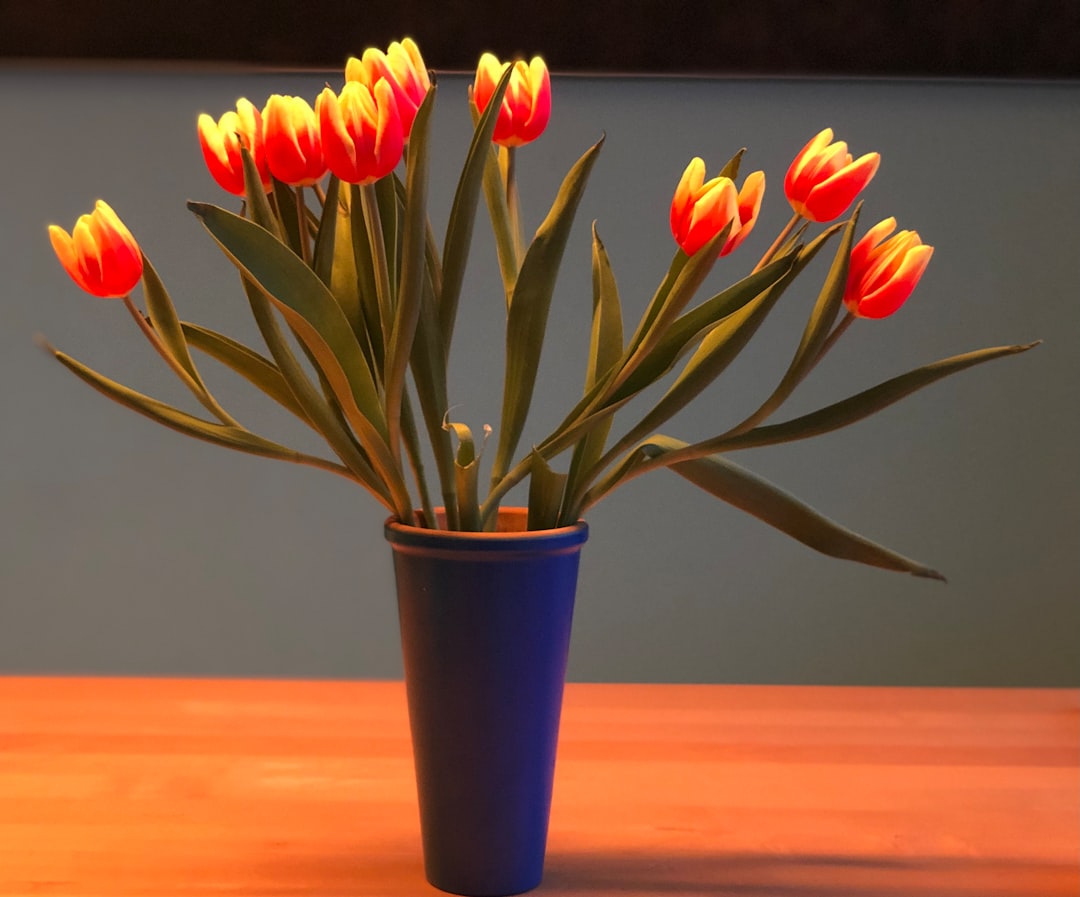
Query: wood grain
[{"x": 156, "y": 788}]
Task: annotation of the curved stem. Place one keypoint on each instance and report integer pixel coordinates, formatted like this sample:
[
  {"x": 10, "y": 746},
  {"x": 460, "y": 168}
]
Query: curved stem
[{"x": 199, "y": 391}]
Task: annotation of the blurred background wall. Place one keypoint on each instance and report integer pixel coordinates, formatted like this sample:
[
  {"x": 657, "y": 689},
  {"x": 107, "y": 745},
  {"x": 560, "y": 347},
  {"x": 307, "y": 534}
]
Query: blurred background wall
[{"x": 127, "y": 549}]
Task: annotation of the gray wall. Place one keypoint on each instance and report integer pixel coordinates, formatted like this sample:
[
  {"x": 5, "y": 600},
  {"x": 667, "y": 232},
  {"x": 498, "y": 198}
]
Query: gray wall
[{"x": 127, "y": 549}]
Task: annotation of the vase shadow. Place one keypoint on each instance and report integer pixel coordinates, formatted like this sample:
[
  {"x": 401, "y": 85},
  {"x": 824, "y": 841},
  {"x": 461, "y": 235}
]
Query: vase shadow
[{"x": 797, "y": 875}]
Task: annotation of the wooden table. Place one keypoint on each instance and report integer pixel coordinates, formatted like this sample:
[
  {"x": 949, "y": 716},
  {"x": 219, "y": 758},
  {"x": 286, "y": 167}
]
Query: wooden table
[{"x": 112, "y": 787}]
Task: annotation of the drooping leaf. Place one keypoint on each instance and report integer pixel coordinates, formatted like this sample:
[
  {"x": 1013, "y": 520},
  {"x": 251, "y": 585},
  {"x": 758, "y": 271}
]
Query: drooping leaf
[
  {"x": 770, "y": 504},
  {"x": 467, "y": 474},
  {"x": 219, "y": 434}
]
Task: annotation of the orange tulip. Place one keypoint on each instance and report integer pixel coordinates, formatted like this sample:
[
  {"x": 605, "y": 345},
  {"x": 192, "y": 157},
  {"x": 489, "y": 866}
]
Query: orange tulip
[
  {"x": 291, "y": 141},
  {"x": 221, "y": 142},
  {"x": 361, "y": 131},
  {"x": 881, "y": 275},
  {"x": 402, "y": 67},
  {"x": 526, "y": 105},
  {"x": 823, "y": 181},
  {"x": 700, "y": 209},
  {"x": 100, "y": 254}
]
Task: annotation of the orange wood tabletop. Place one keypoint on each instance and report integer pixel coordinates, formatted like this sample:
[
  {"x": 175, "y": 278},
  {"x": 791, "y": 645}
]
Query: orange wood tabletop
[{"x": 156, "y": 788}]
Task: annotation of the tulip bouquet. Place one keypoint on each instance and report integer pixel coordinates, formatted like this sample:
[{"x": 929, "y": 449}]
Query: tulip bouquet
[{"x": 356, "y": 298}]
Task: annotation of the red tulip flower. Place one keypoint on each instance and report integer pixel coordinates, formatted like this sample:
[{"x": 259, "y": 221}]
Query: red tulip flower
[
  {"x": 823, "y": 181},
  {"x": 100, "y": 254},
  {"x": 402, "y": 67},
  {"x": 526, "y": 105},
  {"x": 294, "y": 152},
  {"x": 882, "y": 273},
  {"x": 222, "y": 140},
  {"x": 361, "y": 131},
  {"x": 700, "y": 209}
]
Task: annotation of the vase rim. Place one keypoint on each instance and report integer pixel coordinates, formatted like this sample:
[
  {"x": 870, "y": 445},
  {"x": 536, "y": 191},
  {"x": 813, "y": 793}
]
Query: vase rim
[{"x": 511, "y": 533}]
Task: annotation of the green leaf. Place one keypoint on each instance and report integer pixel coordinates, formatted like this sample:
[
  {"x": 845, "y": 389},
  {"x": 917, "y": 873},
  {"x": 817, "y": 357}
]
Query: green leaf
[
  {"x": 325, "y": 417},
  {"x": 605, "y": 349},
  {"x": 166, "y": 324},
  {"x": 459, "y": 227},
  {"x": 253, "y": 367},
  {"x": 387, "y": 198},
  {"x": 219, "y": 434},
  {"x": 816, "y": 332},
  {"x": 467, "y": 470},
  {"x": 731, "y": 170},
  {"x": 866, "y": 403},
  {"x": 258, "y": 205},
  {"x": 722, "y": 345},
  {"x": 546, "y": 489},
  {"x": 319, "y": 322},
  {"x": 749, "y": 492},
  {"x": 413, "y": 257},
  {"x": 288, "y": 215},
  {"x": 529, "y": 308},
  {"x": 695, "y": 324}
]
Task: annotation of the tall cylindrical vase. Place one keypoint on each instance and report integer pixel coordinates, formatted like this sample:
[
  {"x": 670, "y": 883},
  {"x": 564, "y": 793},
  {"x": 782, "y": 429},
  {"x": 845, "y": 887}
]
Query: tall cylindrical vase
[{"x": 485, "y": 632}]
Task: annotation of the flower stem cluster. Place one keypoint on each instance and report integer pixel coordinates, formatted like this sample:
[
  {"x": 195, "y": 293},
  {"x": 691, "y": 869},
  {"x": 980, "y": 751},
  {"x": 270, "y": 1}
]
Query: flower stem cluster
[{"x": 357, "y": 277}]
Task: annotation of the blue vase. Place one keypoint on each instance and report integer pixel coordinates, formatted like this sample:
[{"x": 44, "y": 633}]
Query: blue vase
[{"x": 485, "y": 632}]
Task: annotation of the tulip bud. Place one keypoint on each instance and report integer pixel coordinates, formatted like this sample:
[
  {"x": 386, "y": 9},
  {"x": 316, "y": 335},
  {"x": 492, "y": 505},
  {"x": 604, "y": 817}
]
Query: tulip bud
[
  {"x": 822, "y": 181},
  {"x": 222, "y": 140},
  {"x": 361, "y": 131},
  {"x": 700, "y": 210},
  {"x": 881, "y": 275},
  {"x": 402, "y": 67},
  {"x": 291, "y": 141},
  {"x": 100, "y": 254},
  {"x": 526, "y": 105}
]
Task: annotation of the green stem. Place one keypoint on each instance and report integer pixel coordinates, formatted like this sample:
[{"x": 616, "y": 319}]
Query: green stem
[
  {"x": 200, "y": 392},
  {"x": 777, "y": 243},
  {"x": 373, "y": 222}
]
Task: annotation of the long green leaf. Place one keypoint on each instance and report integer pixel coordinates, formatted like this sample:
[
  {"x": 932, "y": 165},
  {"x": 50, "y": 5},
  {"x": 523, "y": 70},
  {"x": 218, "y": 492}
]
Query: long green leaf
[
  {"x": 459, "y": 227},
  {"x": 413, "y": 257},
  {"x": 260, "y": 372},
  {"x": 303, "y": 299},
  {"x": 866, "y": 403},
  {"x": 324, "y": 416},
  {"x": 319, "y": 322},
  {"x": 770, "y": 504},
  {"x": 529, "y": 308},
  {"x": 219, "y": 434},
  {"x": 605, "y": 349}
]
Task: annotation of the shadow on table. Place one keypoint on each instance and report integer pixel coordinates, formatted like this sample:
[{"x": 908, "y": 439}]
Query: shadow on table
[
  {"x": 395, "y": 868},
  {"x": 810, "y": 875}
]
